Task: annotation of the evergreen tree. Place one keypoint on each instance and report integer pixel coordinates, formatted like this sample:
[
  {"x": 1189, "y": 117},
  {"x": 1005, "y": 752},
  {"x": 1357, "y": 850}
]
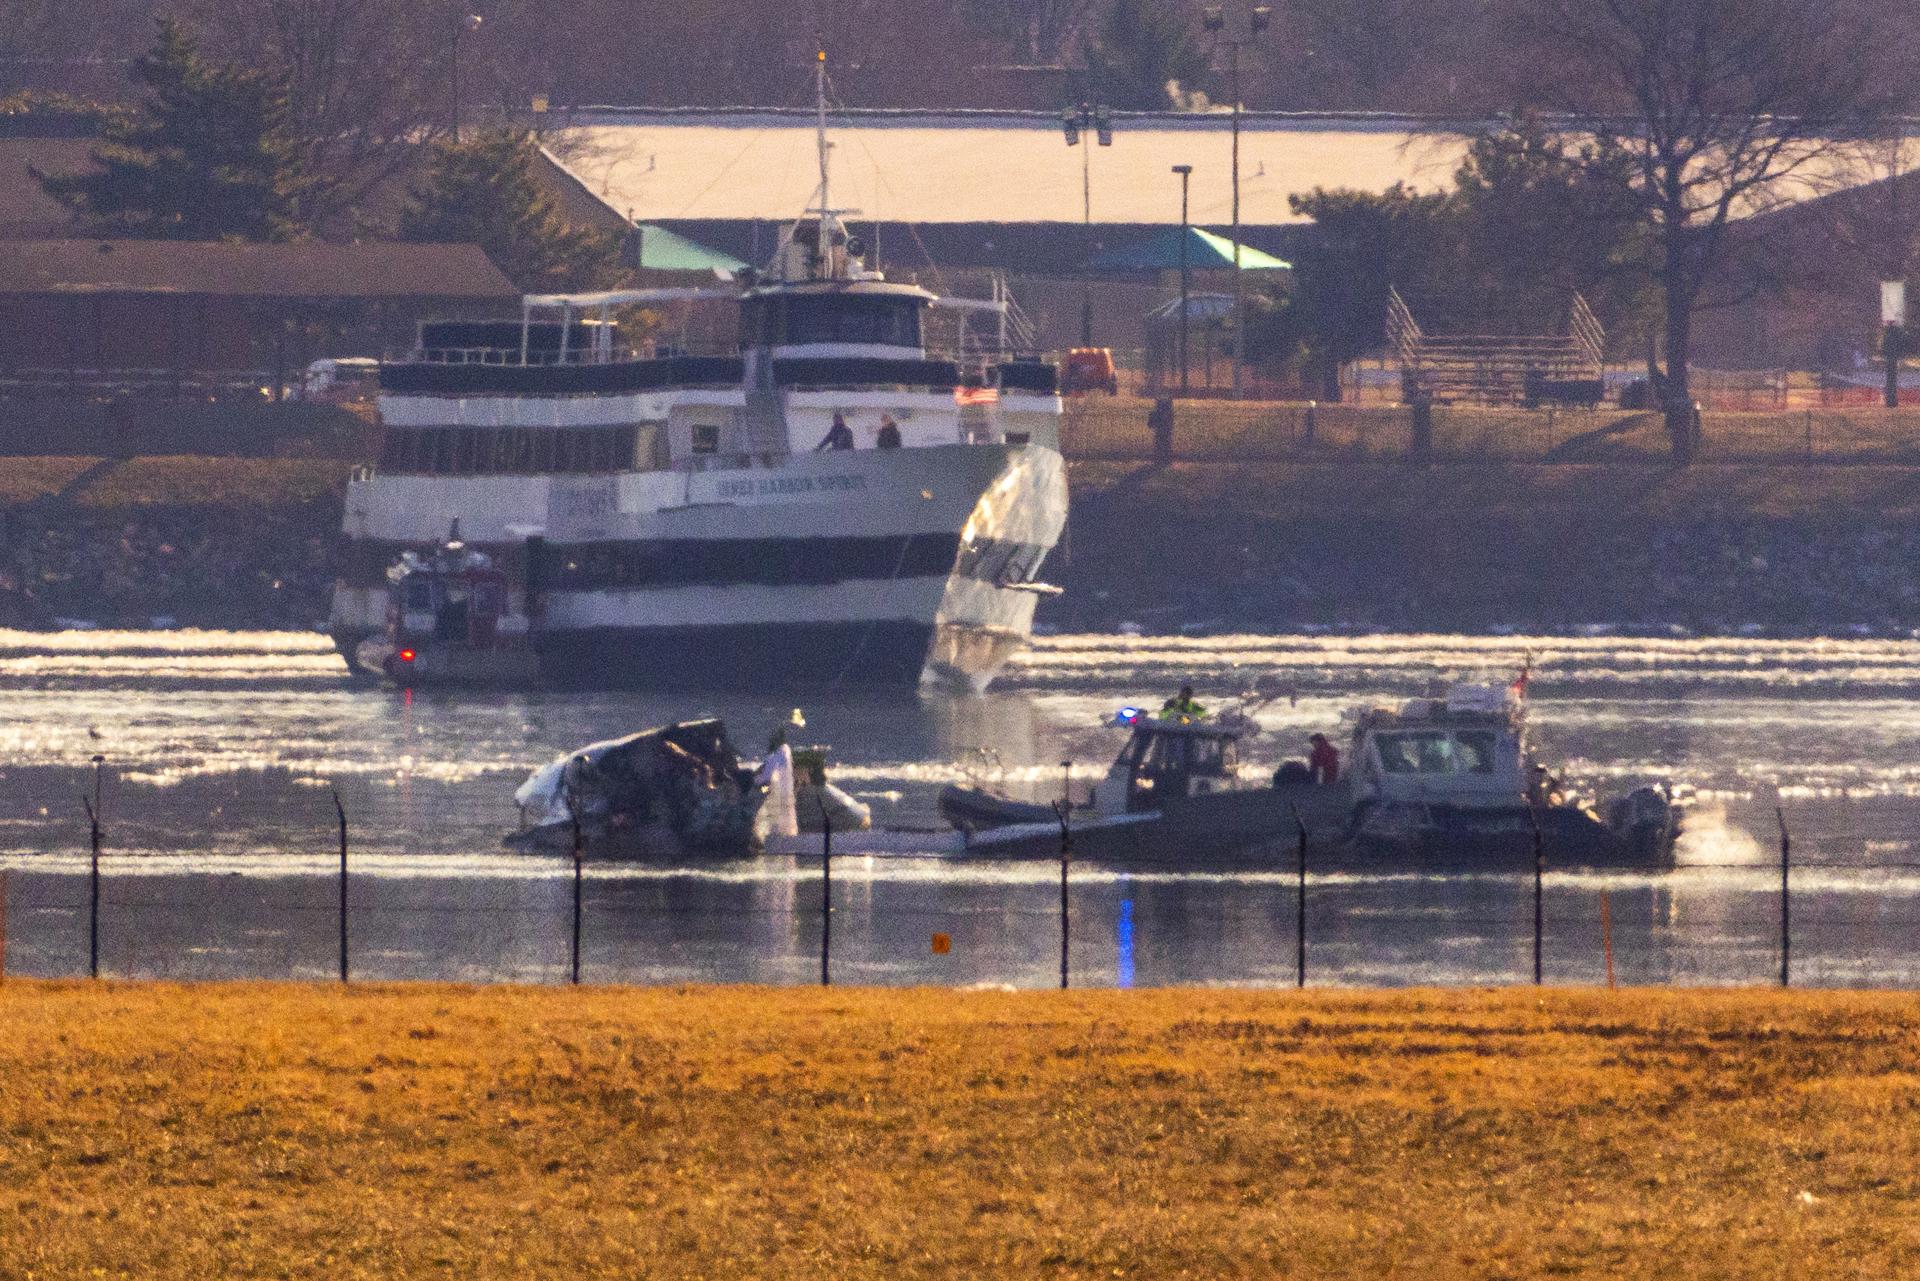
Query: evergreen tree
[
  {"x": 484, "y": 191},
  {"x": 207, "y": 157},
  {"x": 1359, "y": 245},
  {"x": 1144, "y": 57}
]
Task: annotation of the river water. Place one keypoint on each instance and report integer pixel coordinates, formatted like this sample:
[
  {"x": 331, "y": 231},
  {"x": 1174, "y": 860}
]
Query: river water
[{"x": 223, "y": 751}]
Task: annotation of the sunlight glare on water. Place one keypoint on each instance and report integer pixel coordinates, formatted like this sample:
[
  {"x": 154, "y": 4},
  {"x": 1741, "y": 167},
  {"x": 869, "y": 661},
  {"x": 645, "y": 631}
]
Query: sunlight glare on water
[{"x": 222, "y": 751}]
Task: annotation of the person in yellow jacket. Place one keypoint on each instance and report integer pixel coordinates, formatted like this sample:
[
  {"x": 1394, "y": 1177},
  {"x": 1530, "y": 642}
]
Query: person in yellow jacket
[{"x": 1182, "y": 707}]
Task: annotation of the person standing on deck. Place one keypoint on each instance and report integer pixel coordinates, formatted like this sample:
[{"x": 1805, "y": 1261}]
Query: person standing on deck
[
  {"x": 776, "y": 774},
  {"x": 839, "y": 436},
  {"x": 1323, "y": 762},
  {"x": 1182, "y": 707},
  {"x": 889, "y": 434}
]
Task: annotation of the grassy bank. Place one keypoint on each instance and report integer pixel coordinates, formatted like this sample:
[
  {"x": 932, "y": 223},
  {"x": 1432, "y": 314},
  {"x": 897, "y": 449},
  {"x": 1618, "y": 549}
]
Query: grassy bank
[
  {"x": 1222, "y": 431},
  {"x": 308, "y": 1131}
]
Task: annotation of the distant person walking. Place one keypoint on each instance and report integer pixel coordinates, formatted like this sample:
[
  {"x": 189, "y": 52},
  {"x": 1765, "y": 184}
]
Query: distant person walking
[
  {"x": 1323, "y": 762},
  {"x": 839, "y": 436},
  {"x": 889, "y": 434}
]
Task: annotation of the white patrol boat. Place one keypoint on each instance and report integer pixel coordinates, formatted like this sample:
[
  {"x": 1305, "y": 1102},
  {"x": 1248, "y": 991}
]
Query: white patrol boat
[
  {"x": 1454, "y": 777},
  {"x": 703, "y": 519}
]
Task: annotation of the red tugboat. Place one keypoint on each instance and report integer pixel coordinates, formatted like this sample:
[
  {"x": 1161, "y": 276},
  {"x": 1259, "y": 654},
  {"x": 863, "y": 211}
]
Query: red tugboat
[{"x": 451, "y": 621}]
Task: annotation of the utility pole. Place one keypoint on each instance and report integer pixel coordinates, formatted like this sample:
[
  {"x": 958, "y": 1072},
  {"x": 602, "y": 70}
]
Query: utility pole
[
  {"x": 1186, "y": 173},
  {"x": 1087, "y": 118},
  {"x": 1214, "y": 19},
  {"x": 462, "y": 22}
]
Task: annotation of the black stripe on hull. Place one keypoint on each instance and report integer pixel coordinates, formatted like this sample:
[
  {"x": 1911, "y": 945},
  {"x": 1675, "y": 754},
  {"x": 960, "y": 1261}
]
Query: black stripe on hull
[
  {"x": 653, "y": 564},
  {"x": 746, "y": 656}
]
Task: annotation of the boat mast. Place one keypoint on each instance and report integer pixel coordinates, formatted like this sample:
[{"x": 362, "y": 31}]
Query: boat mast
[{"x": 825, "y": 242}]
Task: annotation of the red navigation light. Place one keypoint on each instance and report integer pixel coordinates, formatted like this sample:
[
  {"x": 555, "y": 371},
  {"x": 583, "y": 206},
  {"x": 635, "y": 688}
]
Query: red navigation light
[{"x": 406, "y": 656}]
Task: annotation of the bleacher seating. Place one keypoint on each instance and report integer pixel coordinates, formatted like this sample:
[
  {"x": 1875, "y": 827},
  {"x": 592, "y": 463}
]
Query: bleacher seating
[{"x": 1498, "y": 369}]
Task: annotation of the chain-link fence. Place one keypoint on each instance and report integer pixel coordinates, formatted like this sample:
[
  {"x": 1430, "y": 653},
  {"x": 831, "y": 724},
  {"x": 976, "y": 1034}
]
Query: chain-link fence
[
  {"x": 1289, "y": 915},
  {"x": 1119, "y": 429}
]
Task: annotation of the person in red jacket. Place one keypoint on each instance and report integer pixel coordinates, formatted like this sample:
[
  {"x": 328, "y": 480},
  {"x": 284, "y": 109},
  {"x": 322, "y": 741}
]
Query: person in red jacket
[{"x": 1323, "y": 762}]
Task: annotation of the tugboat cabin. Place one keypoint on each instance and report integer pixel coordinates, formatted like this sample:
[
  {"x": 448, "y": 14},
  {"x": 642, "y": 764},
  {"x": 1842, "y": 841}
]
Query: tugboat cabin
[
  {"x": 1169, "y": 758},
  {"x": 1467, "y": 749}
]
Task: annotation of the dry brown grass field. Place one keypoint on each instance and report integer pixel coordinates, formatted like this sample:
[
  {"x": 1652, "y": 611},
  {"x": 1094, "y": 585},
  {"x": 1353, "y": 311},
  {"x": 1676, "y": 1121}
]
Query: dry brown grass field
[{"x": 310, "y": 1131}]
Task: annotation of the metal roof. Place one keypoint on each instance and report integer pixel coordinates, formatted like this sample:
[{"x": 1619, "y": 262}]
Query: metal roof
[
  {"x": 988, "y": 167},
  {"x": 308, "y": 270},
  {"x": 663, "y": 250},
  {"x": 1205, "y": 252}
]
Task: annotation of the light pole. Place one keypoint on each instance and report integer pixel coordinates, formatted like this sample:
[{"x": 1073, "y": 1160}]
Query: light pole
[
  {"x": 1214, "y": 19},
  {"x": 1185, "y": 172},
  {"x": 1087, "y": 117},
  {"x": 461, "y": 23}
]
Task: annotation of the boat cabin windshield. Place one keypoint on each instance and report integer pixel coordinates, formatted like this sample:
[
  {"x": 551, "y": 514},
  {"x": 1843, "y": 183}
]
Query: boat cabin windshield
[
  {"x": 1460, "y": 751},
  {"x": 1163, "y": 765},
  {"x": 794, "y": 319}
]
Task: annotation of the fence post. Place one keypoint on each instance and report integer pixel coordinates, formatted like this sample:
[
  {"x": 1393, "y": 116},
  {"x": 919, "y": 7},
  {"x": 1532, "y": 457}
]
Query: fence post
[
  {"x": 1066, "y": 856},
  {"x": 1606, "y": 935},
  {"x": 1300, "y": 907},
  {"x": 341, "y": 810},
  {"x": 574, "y": 812},
  {"x": 1809, "y": 435},
  {"x": 93, "y": 872},
  {"x": 826, "y": 896},
  {"x": 1786, "y": 900},
  {"x": 3, "y": 927},
  {"x": 1539, "y": 885}
]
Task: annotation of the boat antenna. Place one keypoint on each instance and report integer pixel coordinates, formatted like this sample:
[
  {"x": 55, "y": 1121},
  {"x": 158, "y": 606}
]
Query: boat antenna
[{"x": 820, "y": 138}]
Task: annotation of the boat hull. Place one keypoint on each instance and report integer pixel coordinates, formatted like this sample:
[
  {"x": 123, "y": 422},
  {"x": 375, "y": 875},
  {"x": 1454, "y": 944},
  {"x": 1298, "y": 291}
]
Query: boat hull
[
  {"x": 898, "y": 567},
  {"x": 1264, "y": 827}
]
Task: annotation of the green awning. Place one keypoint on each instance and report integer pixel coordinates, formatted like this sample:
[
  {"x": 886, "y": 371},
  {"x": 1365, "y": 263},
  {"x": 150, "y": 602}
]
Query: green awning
[
  {"x": 1205, "y": 252},
  {"x": 663, "y": 250}
]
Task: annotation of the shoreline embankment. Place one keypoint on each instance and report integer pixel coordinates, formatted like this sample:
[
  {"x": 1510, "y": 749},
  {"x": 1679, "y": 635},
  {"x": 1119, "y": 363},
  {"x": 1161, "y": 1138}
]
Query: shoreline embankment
[
  {"x": 1247, "y": 528},
  {"x": 245, "y": 1130}
]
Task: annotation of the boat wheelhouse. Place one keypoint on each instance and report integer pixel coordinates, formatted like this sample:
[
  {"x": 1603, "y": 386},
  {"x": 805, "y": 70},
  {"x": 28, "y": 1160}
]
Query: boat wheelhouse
[{"x": 1455, "y": 776}]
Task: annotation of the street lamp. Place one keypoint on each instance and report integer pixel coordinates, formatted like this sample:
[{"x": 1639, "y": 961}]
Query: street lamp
[
  {"x": 1214, "y": 20},
  {"x": 461, "y": 23},
  {"x": 1087, "y": 118},
  {"x": 1185, "y": 172}
]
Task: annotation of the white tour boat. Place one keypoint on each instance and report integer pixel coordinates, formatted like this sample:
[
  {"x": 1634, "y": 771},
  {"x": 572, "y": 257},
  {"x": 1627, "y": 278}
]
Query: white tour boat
[{"x": 671, "y": 517}]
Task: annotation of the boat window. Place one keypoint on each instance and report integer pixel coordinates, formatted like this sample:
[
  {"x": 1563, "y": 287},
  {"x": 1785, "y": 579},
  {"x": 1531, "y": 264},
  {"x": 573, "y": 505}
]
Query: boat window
[
  {"x": 706, "y": 438},
  {"x": 1473, "y": 750},
  {"x": 853, "y": 318},
  {"x": 1150, "y": 760},
  {"x": 1420, "y": 752},
  {"x": 1208, "y": 755}
]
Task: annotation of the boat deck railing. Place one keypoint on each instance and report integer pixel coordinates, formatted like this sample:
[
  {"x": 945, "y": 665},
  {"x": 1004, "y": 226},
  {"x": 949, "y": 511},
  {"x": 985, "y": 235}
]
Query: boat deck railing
[{"x": 968, "y": 357}]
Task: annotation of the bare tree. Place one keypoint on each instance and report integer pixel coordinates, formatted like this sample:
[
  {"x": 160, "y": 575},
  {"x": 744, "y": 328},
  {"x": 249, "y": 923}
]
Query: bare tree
[
  {"x": 81, "y": 49},
  {"x": 367, "y": 82},
  {"x": 1034, "y": 32},
  {"x": 1713, "y": 111}
]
